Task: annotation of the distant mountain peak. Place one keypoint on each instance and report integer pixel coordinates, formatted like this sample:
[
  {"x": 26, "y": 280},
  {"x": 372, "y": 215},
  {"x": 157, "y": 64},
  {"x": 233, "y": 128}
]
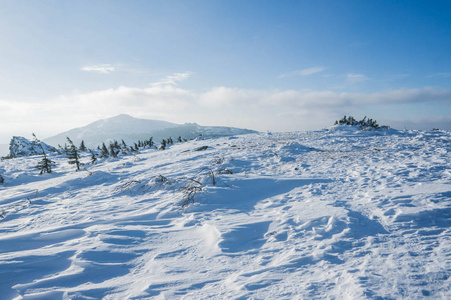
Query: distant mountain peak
[{"x": 132, "y": 129}]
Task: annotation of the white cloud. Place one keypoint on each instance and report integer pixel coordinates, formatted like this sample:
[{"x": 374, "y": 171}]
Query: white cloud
[
  {"x": 172, "y": 79},
  {"x": 303, "y": 72},
  {"x": 276, "y": 110},
  {"x": 102, "y": 69},
  {"x": 356, "y": 78}
]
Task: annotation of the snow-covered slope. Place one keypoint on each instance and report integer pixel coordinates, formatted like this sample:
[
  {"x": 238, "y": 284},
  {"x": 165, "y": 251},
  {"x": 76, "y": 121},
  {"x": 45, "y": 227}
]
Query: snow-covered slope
[
  {"x": 335, "y": 214},
  {"x": 20, "y": 146},
  {"x": 132, "y": 129}
]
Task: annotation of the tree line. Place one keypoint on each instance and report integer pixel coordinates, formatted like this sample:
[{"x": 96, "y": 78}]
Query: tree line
[{"x": 113, "y": 150}]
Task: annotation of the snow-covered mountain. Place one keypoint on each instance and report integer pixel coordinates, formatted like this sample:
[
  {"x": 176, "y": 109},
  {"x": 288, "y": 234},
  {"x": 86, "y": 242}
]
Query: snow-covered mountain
[
  {"x": 20, "y": 146},
  {"x": 131, "y": 129},
  {"x": 332, "y": 214}
]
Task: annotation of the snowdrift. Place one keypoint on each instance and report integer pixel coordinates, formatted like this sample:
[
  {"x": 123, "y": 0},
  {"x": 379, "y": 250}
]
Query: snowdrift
[{"x": 331, "y": 214}]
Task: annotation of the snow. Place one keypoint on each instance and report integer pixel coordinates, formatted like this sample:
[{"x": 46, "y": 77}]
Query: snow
[
  {"x": 332, "y": 214},
  {"x": 20, "y": 146}
]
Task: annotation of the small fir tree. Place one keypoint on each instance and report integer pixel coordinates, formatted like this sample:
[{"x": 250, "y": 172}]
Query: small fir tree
[
  {"x": 104, "y": 152},
  {"x": 124, "y": 148},
  {"x": 45, "y": 165},
  {"x": 163, "y": 144},
  {"x": 72, "y": 154},
  {"x": 82, "y": 146},
  {"x": 93, "y": 157},
  {"x": 113, "y": 152}
]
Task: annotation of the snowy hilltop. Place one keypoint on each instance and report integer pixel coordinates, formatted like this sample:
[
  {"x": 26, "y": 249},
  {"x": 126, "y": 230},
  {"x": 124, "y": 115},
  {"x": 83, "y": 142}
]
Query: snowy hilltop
[
  {"x": 341, "y": 213},
  {"x": 130, "y": 129},
  {"x": 20, "y": 146}
]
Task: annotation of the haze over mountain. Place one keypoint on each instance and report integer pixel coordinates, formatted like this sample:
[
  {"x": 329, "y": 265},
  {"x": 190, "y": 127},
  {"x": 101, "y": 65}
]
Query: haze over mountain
[{"x": 131, "y": 129}]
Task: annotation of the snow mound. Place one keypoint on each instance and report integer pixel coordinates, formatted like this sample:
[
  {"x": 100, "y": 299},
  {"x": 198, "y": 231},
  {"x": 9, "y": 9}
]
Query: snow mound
[
  {"x": 20, "y": 146},
  {"x": 296, "y": 148}
]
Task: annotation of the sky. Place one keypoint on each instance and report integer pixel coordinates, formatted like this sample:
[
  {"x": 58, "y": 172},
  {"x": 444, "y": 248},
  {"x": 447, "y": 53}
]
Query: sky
[{"x": 262, "y": 65}]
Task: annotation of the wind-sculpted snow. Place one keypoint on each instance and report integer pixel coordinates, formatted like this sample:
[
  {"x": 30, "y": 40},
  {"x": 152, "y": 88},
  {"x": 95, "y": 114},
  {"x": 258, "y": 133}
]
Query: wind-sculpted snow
[{"x": 334, "y": 214}]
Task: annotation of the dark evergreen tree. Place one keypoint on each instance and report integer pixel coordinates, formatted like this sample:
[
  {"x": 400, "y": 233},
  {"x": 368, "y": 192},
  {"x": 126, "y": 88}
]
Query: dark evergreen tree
[
  {"x": 113, "y": 152},
  {"x": 365, "y": 122},
  {"x": 45, "y": 165},
  {"x": 170, "y": 141},
  {"x": 2, "y": 179},
  {"x": 104, "y": 152},
  {"x": 82, "y": 146},
  {"x": 136, "y": 147},
  {"x": 179, "y": 139},
  {"x": 163, "y": 144},
  {"x": 151, "y": 143},
  {"x": 72, "y": 154},
  {"x": 124, "y": 148},
  {"x": 93, "y": 157}
]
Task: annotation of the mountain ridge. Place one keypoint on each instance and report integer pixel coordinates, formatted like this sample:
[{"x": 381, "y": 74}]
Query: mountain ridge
[{"x": 132, "y": 129}]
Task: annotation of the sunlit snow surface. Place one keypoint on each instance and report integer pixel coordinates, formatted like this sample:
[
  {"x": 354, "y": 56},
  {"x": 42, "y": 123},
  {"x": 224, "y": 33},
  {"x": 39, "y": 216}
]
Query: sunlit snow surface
[{"x": 338, "y": 214}]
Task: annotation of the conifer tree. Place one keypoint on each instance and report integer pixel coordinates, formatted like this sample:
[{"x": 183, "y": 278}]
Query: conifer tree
[
  {"x": 124, "y": 148},
  {"x": 82, "y": 146},
  {"x": 163, "y": 144},
  {"x": 113, "y": 152},
  {"x": 151, "y": 143},
  {"x": 45, "y": 165},
  {"x": 104, "y": 152},
  {"x": 93, "y": 157},
  {"x": 72, "y": 154},
  {"x": 2, "y": 179},
  {"x": 179, "y": 139}
]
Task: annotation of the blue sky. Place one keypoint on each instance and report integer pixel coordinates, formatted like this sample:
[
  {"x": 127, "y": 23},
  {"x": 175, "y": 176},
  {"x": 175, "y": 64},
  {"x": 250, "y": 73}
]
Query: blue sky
[{"x": 265, "y": 65}]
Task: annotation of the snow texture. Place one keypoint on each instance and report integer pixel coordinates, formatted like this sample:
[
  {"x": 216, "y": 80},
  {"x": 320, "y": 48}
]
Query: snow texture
[{"x": 332, "y": 214}]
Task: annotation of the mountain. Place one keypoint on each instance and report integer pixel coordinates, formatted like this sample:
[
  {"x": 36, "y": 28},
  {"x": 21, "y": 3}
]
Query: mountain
[
  {"x": 131, "y": 129},
  {"x": 330, "y": 214},
  {"x": 20, "y": 146}
]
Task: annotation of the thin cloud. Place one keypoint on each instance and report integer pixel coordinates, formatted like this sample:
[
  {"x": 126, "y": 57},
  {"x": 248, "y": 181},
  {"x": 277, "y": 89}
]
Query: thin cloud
[
  {"x": 276, "y": 110},
  {"x": 356, "y": 78},
  {"x": 172, "y": 80},
  {"x": 303, "y": 72},
  {"x": 101, "y": 69},
  {"x": 440, "y": 75}
]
